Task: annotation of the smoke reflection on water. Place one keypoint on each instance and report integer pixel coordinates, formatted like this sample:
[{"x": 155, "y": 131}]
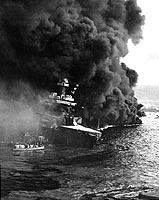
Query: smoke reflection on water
[{"x": 130, "y": 161}]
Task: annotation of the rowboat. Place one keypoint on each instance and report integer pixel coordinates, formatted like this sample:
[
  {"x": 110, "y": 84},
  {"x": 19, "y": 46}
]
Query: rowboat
[{"x": 32, "y": 148}]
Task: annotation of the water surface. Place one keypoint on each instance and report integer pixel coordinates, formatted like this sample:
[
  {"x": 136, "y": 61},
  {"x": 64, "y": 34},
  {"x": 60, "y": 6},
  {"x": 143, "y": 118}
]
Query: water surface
[{"x": 127, "y": 160}]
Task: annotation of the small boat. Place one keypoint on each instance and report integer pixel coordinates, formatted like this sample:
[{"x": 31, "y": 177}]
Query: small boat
[{"x": 30, "y": 148}]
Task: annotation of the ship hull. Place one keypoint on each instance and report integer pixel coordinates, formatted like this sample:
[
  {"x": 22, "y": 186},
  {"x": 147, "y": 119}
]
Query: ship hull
[{"x": 69, "y": 137}]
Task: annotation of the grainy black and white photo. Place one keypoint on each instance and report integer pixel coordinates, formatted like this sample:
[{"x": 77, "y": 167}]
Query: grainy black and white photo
[{"x": 79, "y": 99}]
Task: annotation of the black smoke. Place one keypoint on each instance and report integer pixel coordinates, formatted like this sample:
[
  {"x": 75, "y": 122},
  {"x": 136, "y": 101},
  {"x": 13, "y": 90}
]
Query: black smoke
[{"x": 44, "y": 41}]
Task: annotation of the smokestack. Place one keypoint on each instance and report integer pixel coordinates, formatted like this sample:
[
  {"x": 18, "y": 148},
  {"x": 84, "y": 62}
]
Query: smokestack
[{"x": 83, "y": 41}]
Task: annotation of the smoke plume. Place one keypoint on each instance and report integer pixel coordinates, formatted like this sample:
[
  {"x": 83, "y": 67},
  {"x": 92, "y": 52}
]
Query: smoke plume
[
  {"x": 18, "y": 107},
  {"x": 44, "y": 41}
]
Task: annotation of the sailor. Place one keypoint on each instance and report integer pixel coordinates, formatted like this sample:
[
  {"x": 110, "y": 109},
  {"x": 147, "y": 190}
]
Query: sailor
[
  {"x": 36, "y": 145},
  {"x": 17, "y": 146}
]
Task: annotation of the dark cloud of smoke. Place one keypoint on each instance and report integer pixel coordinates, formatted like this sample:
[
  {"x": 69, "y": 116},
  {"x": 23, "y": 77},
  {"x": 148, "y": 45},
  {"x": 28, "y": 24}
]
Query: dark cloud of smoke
[{"x": 83, "y": 41}]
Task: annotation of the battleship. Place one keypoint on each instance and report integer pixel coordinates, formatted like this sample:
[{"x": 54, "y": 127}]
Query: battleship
[{"x": 61, "y": 124}]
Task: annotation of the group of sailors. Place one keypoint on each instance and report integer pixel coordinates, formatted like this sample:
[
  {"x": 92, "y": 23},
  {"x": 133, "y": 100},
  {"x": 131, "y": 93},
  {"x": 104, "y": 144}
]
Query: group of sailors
[{"x": 24, "y": 146}]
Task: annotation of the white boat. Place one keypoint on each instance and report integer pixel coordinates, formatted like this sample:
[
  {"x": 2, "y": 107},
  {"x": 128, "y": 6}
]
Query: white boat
[{"x": 23, "y": 148}]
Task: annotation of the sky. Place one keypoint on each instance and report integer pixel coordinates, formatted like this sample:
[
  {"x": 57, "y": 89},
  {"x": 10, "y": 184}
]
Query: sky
[{"x": 144, "y": 57}]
